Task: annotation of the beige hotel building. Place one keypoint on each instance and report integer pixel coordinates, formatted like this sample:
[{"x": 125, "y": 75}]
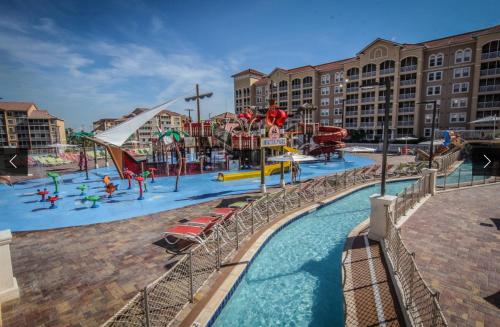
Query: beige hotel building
[{"x": 461, "y": 72}]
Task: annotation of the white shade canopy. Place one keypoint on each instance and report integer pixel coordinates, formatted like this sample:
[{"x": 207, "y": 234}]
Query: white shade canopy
[
  {"x": 289, "y": 156},
  {"x": 117, "y": 135},
  {"x": 358, "y": 149},
  {"x": 488, "y": 119}
]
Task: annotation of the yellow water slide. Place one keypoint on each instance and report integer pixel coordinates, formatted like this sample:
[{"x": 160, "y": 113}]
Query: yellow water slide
[{"x": 268, "y": 170}]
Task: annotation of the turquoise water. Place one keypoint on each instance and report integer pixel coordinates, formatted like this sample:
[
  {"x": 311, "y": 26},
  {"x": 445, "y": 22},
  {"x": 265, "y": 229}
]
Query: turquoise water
[
  {"x": 296, "y": 279},
  {"x": 464, "y": 173},
  {"x": 21, "y": 209}
]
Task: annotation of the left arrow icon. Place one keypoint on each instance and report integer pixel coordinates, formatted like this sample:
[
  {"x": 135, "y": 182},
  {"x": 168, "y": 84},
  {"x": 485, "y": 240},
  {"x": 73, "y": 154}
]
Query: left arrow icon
[{"x": 10, "y": 161}]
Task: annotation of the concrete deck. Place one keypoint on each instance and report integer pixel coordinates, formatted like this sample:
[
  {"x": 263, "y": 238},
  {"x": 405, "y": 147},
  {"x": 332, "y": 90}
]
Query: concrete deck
[{"x": 456, "y": 239}]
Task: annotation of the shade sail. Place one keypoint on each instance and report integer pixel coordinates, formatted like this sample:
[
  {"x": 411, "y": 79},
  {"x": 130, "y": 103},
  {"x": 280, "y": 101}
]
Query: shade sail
[
  {"x": 488, "y": 119},
  {"x": 292, "y": 157},
  {"x": 117, "y": 135}
]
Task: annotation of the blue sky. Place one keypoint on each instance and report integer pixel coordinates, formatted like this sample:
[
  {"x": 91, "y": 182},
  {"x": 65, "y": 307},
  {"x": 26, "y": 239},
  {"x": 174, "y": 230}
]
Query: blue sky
[{"x": 84, "y": 60}]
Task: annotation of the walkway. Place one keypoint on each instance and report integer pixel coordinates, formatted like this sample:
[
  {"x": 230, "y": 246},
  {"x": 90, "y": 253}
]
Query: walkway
[
  {"x": 83, "y": 275},
  {"x": 456, "y": 237},
  {"x": 368, "y": 290}
]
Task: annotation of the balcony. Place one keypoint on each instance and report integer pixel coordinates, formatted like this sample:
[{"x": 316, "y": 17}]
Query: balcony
[
  {"x": 353, "y": 77},
  {"x": 490, "y": 55},
  {"x": 489, "y": 104},
  {"x": 352, "y": 89},
  {"x": 295, "y": 96},
  {"x": 351, "y": 113},
  {"x": 381, "y": 111},
  {"x": 351, "y": 101},
  {"x": 407, "y": 82},
  {"x": 409, "y": 68},
  {"x": 308, "y": 85},
  {"x": 368, "y": 99},
  {"x": 489, "y": 88},
  {"x": 406, "y": 110},
  {"x": 307, "y": 95},
  {"x": 367, "y": 124},
  {"x": 283, "y": 88},
  {"x": 387, "y": 71},
  {"x": 491, "y": 71},
  {"x": 407, "y": 96},
  {"x": 381, "y": 98},
  {"x": 351, "y": 125},
  {"x": 369, "y": 74},
  {"x": 367, "y": 112},
  {"x": 283, "y": 97},
  {"x": 405, "y": 123},
  {"x": 295, "y": 86}
]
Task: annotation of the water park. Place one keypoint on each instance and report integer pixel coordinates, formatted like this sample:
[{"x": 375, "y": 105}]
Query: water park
[{"x": 227, "y": 218}]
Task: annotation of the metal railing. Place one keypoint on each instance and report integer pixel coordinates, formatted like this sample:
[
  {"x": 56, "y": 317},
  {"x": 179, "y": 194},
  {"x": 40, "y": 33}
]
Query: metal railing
[
  {"x": 419, "y": 300},
  {"x": 161, "y": 301}
]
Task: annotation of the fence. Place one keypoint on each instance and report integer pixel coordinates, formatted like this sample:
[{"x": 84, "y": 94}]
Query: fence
[
  {"x": 447, "y": 161},
  {"x": 160, "y": 302},
  {"x": 465, "y": 177},
  {"x": 420, "y": 301}
]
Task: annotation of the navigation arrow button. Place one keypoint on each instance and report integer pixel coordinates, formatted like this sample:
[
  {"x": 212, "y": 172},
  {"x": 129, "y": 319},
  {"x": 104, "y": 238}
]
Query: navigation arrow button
[{"x": 489, "y": 161}]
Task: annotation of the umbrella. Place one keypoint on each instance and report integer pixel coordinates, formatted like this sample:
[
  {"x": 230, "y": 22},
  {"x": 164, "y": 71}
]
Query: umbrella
[{"x": 358, "y": 149}]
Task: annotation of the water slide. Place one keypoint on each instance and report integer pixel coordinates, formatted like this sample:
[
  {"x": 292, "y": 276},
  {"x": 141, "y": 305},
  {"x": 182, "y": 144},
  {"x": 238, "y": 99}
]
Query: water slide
[
  {"x": 329, "y": 140},
  {"x": 268, "y": 170}
]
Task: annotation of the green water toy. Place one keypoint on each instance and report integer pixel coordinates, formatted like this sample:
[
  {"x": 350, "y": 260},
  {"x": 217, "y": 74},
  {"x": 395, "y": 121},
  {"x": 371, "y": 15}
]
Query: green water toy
[
  {"x": 54, "y": 177},
  {"x": 82, "y": 188},
  {"x": 93, "y": 199},
  {"x": 145, "y": 175}
]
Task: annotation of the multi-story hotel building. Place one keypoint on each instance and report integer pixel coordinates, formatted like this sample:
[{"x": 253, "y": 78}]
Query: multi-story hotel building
[
  {"x": 166, "y": 119},
  {"x": 460, "y": 72},
  {"x": 23, "y": 125}
]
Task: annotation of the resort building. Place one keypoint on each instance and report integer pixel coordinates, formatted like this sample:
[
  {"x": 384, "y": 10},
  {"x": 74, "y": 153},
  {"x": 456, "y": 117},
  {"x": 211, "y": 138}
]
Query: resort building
[
  {"x": 460, "y": 72},
  {"x": 24, "y": 125},
  {"x": 166, "y": 119}
]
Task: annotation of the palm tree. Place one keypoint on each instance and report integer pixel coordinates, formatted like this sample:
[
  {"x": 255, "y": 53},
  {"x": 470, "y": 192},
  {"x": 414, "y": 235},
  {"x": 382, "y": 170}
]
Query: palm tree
[
  {"x": 176, "y": 136},
  {"x": 80, "y": 139}
]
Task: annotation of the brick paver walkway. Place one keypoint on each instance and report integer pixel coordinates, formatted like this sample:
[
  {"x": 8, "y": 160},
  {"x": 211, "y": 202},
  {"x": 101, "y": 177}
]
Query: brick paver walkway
[
  {"x": 457, "y": 249},
  {"x": 368, "y": 290},
  {"x": 81, "y": 276}
]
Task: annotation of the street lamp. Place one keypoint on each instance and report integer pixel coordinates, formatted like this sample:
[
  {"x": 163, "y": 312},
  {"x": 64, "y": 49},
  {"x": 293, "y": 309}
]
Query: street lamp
[
  {"x": 343, "y": 102},
  {"x": 387, "y": 83},
  {"x": 433, "y": 126}
]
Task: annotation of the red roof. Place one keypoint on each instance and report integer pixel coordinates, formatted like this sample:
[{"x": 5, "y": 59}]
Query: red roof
[
  {"x": 459, "y": 38},
  {"x": 16, "y": 106},
  {"x": 249, "y": 71}
]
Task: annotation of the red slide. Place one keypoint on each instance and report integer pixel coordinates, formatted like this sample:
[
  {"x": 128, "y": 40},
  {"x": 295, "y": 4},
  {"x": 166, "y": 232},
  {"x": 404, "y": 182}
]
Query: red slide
[{"x": 329, "y": 139}]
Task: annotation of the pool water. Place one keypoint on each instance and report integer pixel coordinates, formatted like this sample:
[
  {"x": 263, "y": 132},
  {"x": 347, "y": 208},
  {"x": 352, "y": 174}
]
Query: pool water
[
  {"x": 21, "y": 210},
  {"x": 296, "y": 278}
]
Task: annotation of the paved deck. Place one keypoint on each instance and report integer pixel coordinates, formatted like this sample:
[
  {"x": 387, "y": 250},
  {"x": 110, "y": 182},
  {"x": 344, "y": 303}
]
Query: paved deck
[
  {"x": 81, "y": 276},
  {"x": 368, "y": 291},
  {"x": 456, "y": 239}
]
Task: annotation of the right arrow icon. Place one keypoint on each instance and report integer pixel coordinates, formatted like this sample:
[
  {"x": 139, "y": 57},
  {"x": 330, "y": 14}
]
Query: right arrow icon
[{"x": 489, "y": 161}]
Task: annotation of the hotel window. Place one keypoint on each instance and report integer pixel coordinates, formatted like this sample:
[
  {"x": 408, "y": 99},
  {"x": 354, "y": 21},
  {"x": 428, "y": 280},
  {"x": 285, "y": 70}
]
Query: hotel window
[
  {"x": 463, "y": 56},
  {"x": 459, "y": 103},
  {"x": 338, "y": 89},
  {"x": 259, "y": 100},
  {"x": 339, "y": 76},
  {"x": 428, "y": 118},
  {"x": 325, "y": 90},
  {"x": 427, "y": 132},
  {"x": 337, "y": 121},
  {"x": 458, "y": 117},
  {"x": 324, "y": 112},
  {"x": 258, "y": 91},
  {"x": 337, "y": 100},
  {"x": 461, "y": 72},
  {"x": 467, "y": 55},
  {"x": 324, "y": 122},
  {"x": 436, "y": 60},
  {"x": 461, "y": 87},
  {"x": 337, "y": 111},
  {"x": 434, "y": 76},
  {"x": 325, "y": 102},
  {"x": 325, "y": 79},
  {"x": 434, "y": 90}
]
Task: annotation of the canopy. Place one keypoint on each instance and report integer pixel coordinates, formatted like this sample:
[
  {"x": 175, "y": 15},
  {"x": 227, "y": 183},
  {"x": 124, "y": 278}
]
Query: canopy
[
  {"x": 436, "y": 142},
  {"x": 289, "y": 156},
  {"x": 117, "y": 135},
  {"x": 406, "y": 138},
  {"x": 486, "y": 120},
  {"x": 358, "y": 149}
]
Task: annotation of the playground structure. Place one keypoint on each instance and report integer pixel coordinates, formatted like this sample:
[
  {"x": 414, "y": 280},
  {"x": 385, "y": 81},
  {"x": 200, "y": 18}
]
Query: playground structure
[{"x": 451, "y": 143}]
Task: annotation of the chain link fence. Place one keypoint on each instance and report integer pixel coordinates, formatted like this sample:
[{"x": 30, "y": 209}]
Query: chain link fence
[{"x": 162, "y": 300}]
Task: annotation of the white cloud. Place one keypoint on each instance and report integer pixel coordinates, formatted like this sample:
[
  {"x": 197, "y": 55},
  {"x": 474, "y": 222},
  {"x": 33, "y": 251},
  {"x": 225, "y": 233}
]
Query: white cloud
[{"x": 116, "y": 76}]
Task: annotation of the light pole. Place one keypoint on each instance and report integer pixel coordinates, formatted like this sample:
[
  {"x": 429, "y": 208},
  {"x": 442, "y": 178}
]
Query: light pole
[
  {"x": 433, "y": 127},
  {"x": 343, "y": 101},
  {"x": 387, "y": 83},
  {"x": 189, "y": 113}
]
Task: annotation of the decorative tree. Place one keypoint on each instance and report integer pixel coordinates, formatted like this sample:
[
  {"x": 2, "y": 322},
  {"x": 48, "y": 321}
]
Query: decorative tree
[
  {"x": 139, "y": 180},
  {"x": 129, "y": 175},
  {"x": 176, "y": 137},
  {"x": 54, "y": 177}
]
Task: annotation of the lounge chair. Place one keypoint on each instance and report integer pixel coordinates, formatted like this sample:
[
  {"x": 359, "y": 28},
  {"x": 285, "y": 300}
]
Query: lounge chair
[
  {"x": 223, "y": 212},
  {"x": 203, "y": 221},
  {"x": 186, "y": 232}
]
